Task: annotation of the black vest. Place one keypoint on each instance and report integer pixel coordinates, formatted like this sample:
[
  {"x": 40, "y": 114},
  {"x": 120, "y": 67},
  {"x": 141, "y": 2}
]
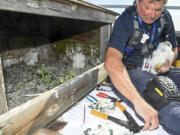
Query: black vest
[{"x": 162, "y": 31}]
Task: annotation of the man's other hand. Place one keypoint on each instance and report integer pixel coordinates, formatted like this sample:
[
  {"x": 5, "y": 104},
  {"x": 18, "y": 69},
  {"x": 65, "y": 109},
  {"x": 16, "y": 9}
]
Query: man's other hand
[
  {"x": 165, "y": 67},
  {"x": 149, "y": 114}
]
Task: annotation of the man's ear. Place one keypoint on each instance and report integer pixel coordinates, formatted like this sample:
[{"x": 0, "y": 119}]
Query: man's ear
[{"x": 137, "y": 2}]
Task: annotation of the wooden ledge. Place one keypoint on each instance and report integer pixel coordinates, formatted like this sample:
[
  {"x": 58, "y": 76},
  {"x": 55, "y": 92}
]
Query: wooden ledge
[{"x": 38, "y": 112}]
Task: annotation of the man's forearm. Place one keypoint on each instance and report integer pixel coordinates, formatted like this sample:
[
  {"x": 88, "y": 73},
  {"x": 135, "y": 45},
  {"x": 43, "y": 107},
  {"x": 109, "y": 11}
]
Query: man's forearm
[
  {"x": 121, "y": 80},
  {"x": 123, "y": 84}
]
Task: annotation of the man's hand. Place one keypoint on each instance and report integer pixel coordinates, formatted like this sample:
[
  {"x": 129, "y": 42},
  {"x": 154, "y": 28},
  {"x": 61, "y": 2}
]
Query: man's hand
[
  {"x": 165, "y": 67},
  {"x": 149, "y": 114}
]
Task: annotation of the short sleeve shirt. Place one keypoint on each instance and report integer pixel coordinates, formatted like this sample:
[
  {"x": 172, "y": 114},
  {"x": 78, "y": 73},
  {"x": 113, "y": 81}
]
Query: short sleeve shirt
[{"x": 123, "y": 30}]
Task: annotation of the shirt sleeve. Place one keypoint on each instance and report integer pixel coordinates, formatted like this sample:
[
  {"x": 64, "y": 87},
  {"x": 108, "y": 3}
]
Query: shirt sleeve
[{"x": 122, "y": 31}]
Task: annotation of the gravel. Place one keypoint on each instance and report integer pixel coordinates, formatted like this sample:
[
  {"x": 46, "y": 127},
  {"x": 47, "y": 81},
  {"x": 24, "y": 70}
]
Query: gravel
[{"x": 22, "y": 82}]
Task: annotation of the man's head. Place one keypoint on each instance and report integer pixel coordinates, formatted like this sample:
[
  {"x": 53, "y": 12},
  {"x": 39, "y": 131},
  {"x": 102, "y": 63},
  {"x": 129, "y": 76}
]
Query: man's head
[{"x": 150, "y": 10}]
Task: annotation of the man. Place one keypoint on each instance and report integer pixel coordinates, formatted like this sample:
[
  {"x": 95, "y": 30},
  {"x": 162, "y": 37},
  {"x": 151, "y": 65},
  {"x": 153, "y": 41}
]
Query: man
[{"x": 130, "y": 82}]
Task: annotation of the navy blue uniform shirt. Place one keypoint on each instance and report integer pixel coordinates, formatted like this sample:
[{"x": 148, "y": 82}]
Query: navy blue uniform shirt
[{"x": 123, "y": 30}]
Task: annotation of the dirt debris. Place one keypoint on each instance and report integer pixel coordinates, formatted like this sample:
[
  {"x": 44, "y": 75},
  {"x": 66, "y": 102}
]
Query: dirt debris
[{"x": 22, "y": 83}]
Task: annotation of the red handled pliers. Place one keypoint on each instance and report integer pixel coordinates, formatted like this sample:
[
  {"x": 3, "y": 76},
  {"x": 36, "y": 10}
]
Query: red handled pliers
[{"x": 104, "y": 95}]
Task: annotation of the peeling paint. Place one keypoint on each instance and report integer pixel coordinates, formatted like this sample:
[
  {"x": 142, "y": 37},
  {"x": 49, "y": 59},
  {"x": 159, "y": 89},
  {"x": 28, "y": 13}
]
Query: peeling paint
[
  {"x": 56, "y": 94},
  {"x": 34, "y": 5}
]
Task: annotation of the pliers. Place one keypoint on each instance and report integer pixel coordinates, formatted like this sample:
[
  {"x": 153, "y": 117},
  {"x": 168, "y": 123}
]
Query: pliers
[
  {"x": 91, "y": 98},
  {"x": 130, "y": 124},
  {"x": 99, "y": 88},
  {"x": 103, "y": 95}
]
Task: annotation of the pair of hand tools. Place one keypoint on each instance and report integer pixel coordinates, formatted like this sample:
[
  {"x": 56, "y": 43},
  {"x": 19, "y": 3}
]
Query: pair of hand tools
[
  {"x": 103, "y": 95},
  {"x": 130, "y": 123},
  {"x": 91, "y": 98}
]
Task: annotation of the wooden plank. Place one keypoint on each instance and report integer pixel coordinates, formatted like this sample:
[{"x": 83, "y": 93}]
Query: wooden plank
[
  {"x": 3, "y": 101},
  {"x": 60, "y": 8},
  {"x": 38, "y": 112},
  {"x": 44, "y": 131},
  {"x": 99, "y": 7},
  {"x": 105, "y": 33}
]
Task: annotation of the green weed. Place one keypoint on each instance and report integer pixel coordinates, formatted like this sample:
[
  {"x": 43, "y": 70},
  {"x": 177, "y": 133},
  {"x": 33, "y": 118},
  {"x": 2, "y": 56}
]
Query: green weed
[
  {"x": 50, "y": 79},
  {"x": 21, "y": 85}
]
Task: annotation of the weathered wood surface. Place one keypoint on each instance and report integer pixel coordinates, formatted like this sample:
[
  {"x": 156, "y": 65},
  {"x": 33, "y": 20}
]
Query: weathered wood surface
[
  {"x": 38, "y": 112},
  {"x": 60, "y": 8},
  {"x": 104, "y": 39},
  {"x": 44, "y": 131},
  {"x": 3, "y": 101}
]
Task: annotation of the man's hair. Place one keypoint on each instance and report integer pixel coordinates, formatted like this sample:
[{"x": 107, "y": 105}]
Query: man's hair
[{"x": 164, "y": 1}]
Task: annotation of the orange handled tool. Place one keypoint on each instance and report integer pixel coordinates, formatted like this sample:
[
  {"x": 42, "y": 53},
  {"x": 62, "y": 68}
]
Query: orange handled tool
[
  {"x": 99, "y": 114},
  {"x": 122, "y": 108},
  {"x": 108, "y": 117},
  {"x": 130, "y": 124},
  {"x": 133, "y": 126}
]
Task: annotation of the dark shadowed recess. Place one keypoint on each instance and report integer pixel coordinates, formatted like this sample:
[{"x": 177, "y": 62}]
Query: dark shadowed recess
[{"x": 21, "y": 30}]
